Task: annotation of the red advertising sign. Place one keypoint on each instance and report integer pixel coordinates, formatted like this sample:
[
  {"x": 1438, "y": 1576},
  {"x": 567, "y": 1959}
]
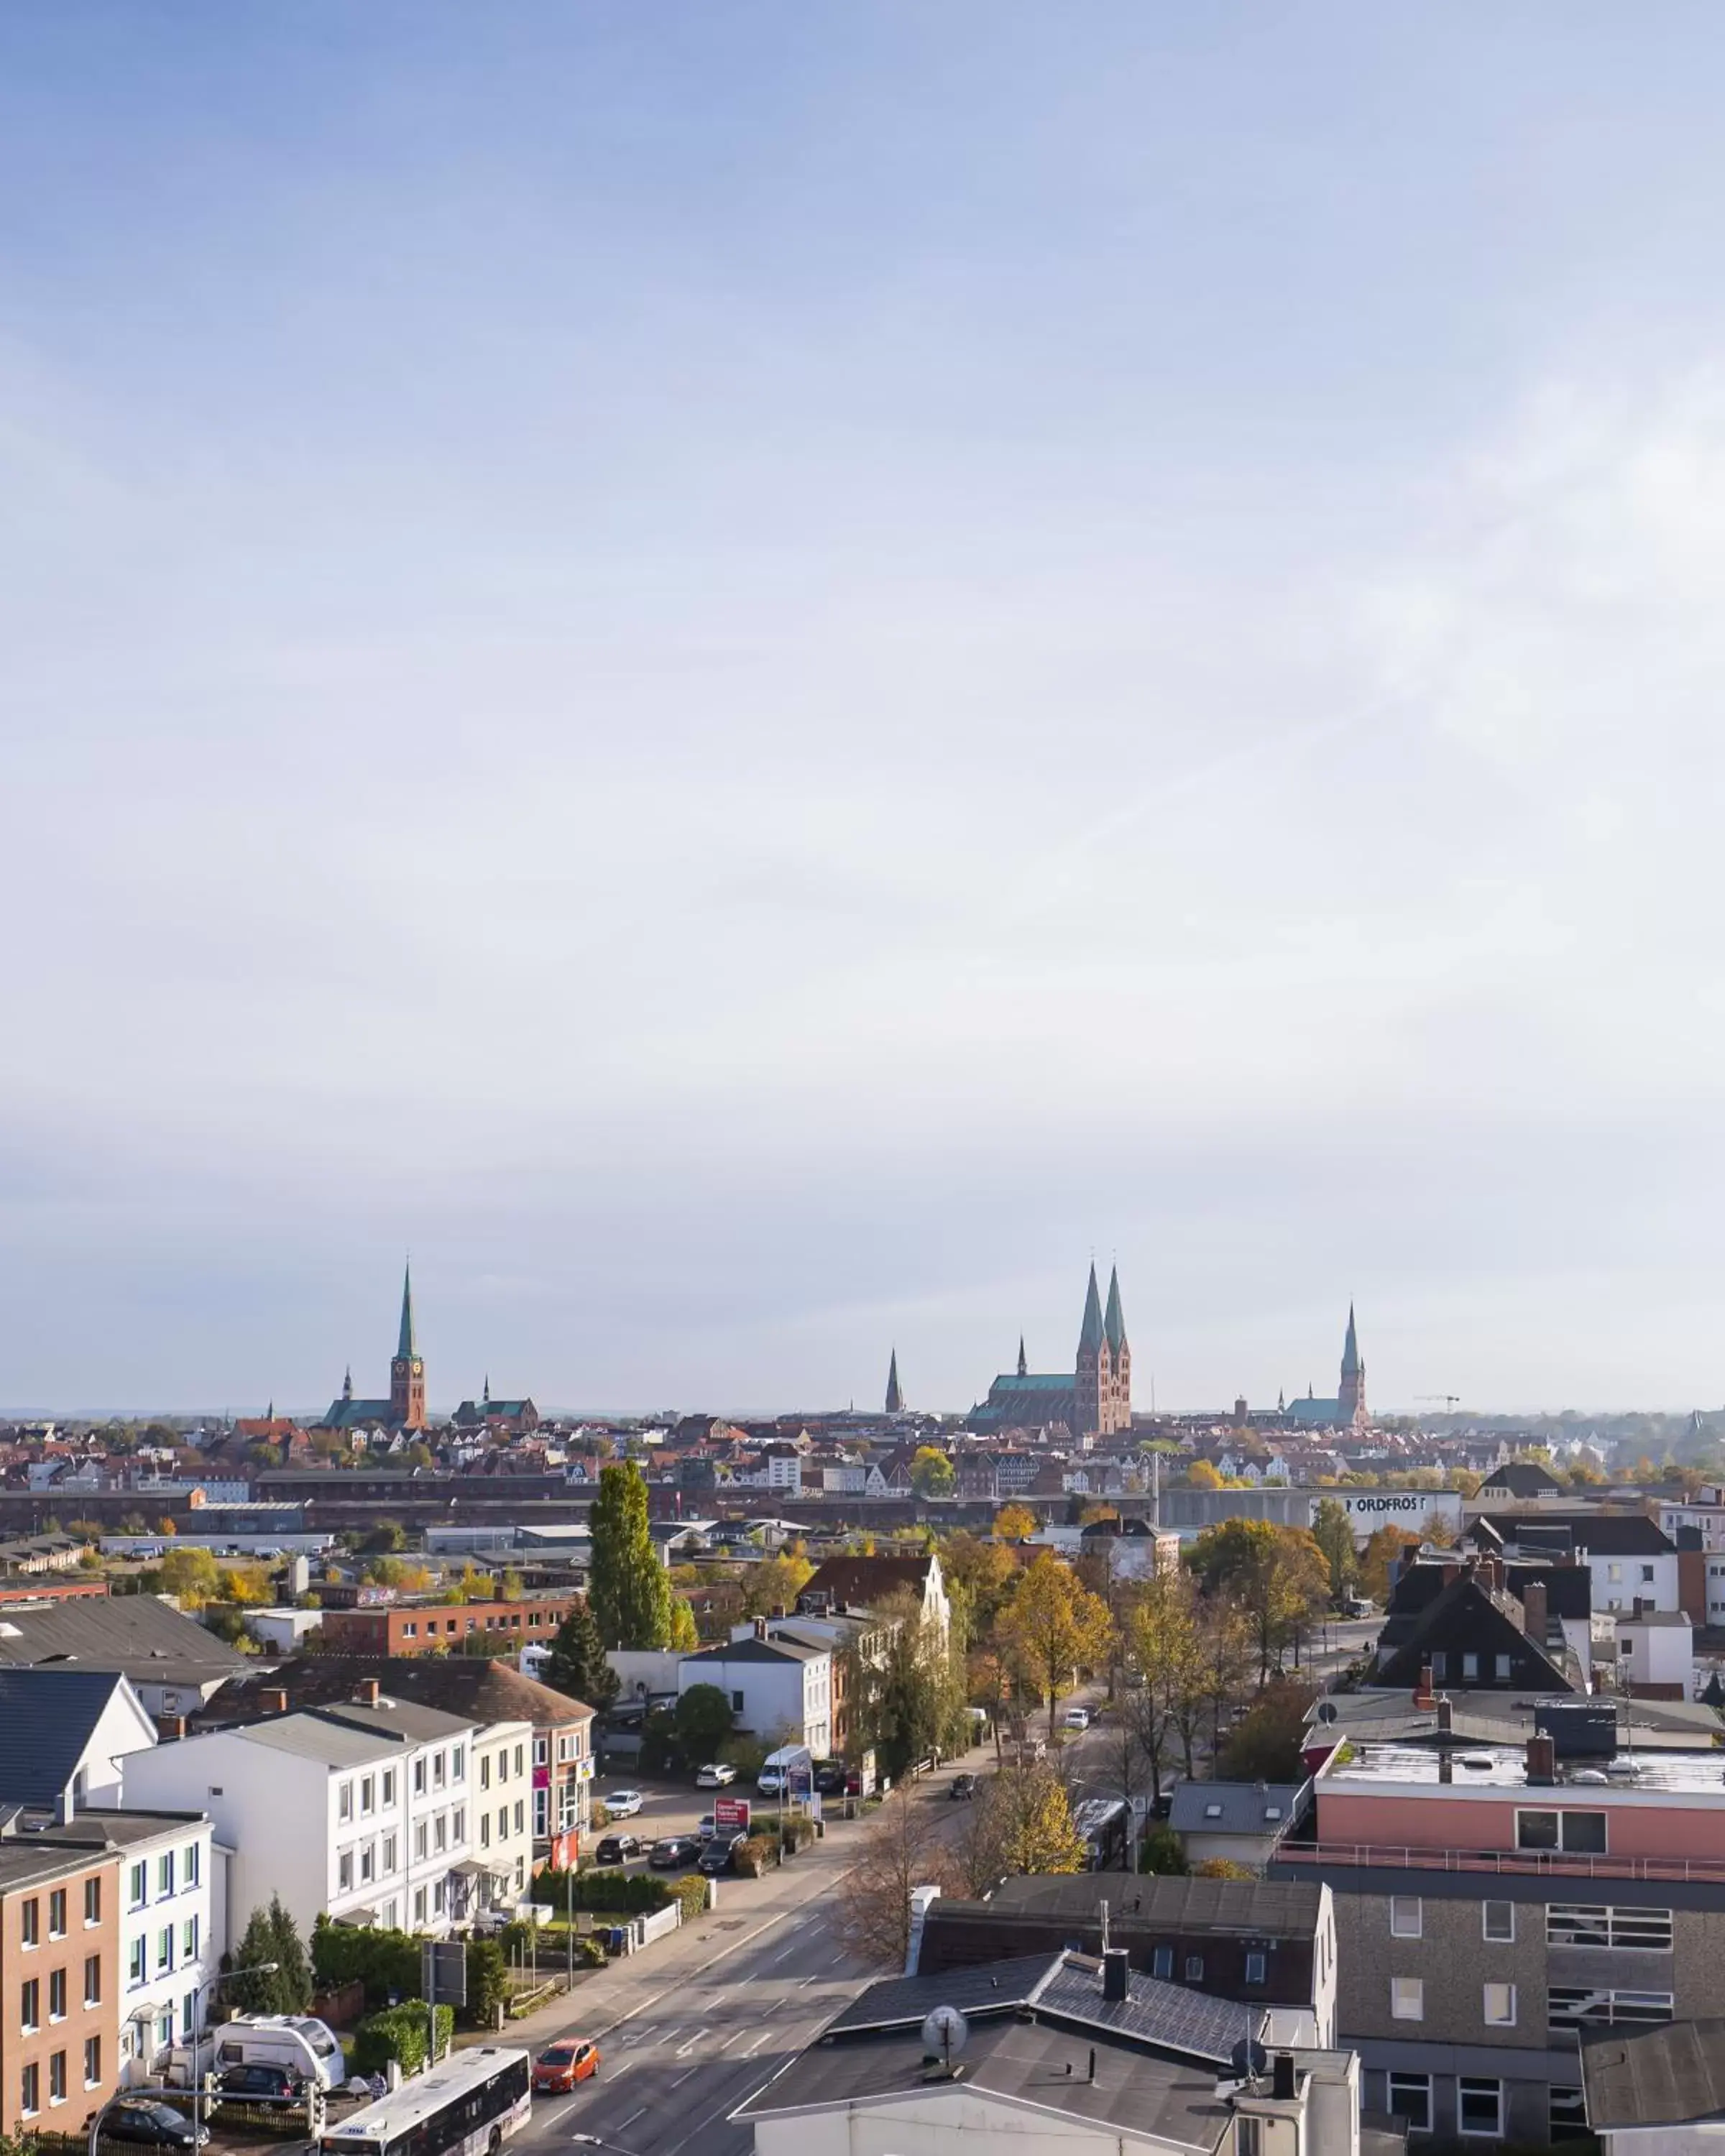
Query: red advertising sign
[{"x": 731, "y": 1815}]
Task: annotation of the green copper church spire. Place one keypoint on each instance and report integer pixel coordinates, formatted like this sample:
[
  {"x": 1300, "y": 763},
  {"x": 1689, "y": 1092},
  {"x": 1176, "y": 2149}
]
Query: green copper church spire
[
  {"x": 1115, "y": 1322},
  {"x": 895, "y": 1391},
  {"x": 1350, "y": 1348},
  {"x": 1091, "y": 1337},
  {"x": 405, "y": 1345}
]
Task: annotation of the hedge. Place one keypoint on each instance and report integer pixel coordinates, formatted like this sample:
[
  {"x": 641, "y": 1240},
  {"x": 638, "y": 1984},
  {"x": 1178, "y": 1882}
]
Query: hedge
[
  {"x": 398, "y": 2033},
  {"x": 384, "y": 1962},
  {"x": 615, "y": 1893},
  {"x": 691, "y": 1891}
]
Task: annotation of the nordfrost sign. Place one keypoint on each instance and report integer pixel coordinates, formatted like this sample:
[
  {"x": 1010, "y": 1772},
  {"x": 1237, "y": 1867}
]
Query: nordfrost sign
[{"x": 1368, "y": 1510}]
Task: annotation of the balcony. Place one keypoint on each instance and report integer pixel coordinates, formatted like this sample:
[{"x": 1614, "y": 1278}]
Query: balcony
[{"x": 1517, "y": 1863}]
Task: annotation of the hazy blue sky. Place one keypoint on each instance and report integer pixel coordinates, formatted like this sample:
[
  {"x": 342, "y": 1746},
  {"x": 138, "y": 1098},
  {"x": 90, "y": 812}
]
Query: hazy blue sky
[{"x": 753, "y": 673}]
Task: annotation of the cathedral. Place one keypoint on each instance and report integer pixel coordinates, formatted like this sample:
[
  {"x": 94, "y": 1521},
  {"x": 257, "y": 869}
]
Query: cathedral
[
  {"x": 1348, "y": 1409},
  {"x": 405, "y": 1407},
  {"x": 1093, "y": 1400}
]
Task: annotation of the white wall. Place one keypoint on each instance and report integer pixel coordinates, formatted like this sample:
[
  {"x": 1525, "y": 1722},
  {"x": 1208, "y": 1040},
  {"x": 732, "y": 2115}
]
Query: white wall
[
  {"x": 939, "y": 2123},
  {"x": 501, "y": 1831},
  {"x": 171, "y": 1905},
  {"x": 125, "y": 1728},
  {"x": 775, "y": 1696},
  {"x": 1619, "y": 1581}
]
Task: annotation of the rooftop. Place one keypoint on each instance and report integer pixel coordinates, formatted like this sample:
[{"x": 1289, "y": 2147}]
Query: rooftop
[
  {"x": 1667, "y": 2075},
  {"x": 1233, "y": 1807},
  {"x": 1505, "y": 1767}
]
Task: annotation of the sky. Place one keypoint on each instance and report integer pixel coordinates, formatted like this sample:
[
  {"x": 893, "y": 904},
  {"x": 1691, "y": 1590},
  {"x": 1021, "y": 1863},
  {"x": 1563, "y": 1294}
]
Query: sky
[{"x": 755, "y": 675}]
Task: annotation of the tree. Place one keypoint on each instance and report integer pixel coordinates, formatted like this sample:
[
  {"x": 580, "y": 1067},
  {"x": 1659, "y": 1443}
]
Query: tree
[
  {"x": 1021, "y": 1822},
  {"x": 1267, "y": 1744},
  {"x": 1277, "y": 1575},
  {"x": 684, "y": 1638},
  {"x": 983, "y": 1571},
  {"x": 191, "y": 1576},
  {"x": 1202, "y": 1475},
  {"x": 933, "y": 1474},
  {"x": 703, "y": 1720},
  {"x": 1383, "y": 1548},
  {"x": 774, "y": 1584},
  {"x": 509, "y": 1588},
  {"x": 627, "y": 1587},
  {"x": 271, "y": 1935},
  {"x": 902, "y": 1849},
  {"x": 1163, "y": 1633},
  {"x": 1015, "y": 1523},
  {"x": 1052, "y": 1625},
  {"x": 1332, "y": 1531},
  {"x": 576, "y": 1664}
]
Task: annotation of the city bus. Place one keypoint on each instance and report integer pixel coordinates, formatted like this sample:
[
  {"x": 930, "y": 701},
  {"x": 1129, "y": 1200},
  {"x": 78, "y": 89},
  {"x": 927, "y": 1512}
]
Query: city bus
[{"x": 468, "y": 2105}]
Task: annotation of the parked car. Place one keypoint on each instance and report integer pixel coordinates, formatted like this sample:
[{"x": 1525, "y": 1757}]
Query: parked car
[
  {"x": 156, "y": 2125},
  {"x": 770, "y": 1782},
  {"x": 720, "y": 1854},
  {"x": 675, "y": 1850},
  {"x": 623, "y": 1803},
  {"x": 962, "y": 1786},
  {"x": 561, "y": 2065},
  {"x": 829, "y": 1777},
  {"x": 276, "y": 2085},
  {"x": 618, "y": 1848},
  {"x": 708, "y": 1828},
  {"x": 716, "y": 1776},
  {"x": 1075, "y": 1718}
]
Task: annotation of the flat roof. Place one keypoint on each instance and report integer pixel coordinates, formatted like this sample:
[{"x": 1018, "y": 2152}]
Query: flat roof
[{"x": 1505, "y": 1767}]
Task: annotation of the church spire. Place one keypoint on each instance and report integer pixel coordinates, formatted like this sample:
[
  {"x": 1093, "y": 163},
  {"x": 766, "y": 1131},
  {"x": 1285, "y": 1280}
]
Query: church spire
[
  {"x": 404, "y": 1345},
  {"x": 1350, "y": 1348},
  {"x": 895, "y": 1392},
  {"x": 1091, "y": 1335},
  {"x": 1023, "y": 1366},
  {"x": 486, "y": 1394},
  {"x": 347, "y": 1383},
  {"x": 1115, "y": 1323}
]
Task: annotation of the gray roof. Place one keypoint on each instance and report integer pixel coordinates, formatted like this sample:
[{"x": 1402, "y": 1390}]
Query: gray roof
[
  {"x": 1664, "y": 2076},
  {"x": 404, "y": 1721},
  {"x": 775, "y": 1649},
  {"x": 1166, "y": 2014},
  {"x": 1261, "y": 1908},
  {"x": 314, "y": 1737},
  {"x": 897, "y": 2001},
  {"x": 1244, "y": 1806},
  {"x": 151, "y": 1642},
  {"x": 46, "y": 1717}
]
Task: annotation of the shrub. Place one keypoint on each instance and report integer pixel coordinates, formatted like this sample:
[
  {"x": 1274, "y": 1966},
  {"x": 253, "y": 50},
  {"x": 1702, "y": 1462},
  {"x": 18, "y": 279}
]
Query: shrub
[
  {"x": 617, "y": 1893},
  {"x": 600, "y": 1816},
  {"x": 398, "y": 2033},
  {"x": 1162, "y": 1852},
  {"x": 755, "y": 1855},
  {"x": 796, "y": 1833},
  {"x": 487, "y": 1980},
  {"x": 1222, "y": 1868},
  {"x": 590, "y": 1952},
  {"x": 385, "y": 1962},
  {"x": 691, "y": 1891}
]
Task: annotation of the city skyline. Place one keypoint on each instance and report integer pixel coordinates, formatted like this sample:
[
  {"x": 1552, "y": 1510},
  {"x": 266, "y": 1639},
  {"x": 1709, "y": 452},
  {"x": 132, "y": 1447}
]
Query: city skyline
[{"x": 748, "y": 675}]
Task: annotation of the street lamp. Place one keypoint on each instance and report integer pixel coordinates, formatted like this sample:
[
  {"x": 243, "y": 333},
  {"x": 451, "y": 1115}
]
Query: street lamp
[{"x": 210, "y": 1983}]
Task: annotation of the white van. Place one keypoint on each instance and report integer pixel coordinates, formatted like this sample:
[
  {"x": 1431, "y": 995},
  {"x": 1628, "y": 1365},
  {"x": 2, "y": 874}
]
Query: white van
[{"x": 301, "y": 2042}]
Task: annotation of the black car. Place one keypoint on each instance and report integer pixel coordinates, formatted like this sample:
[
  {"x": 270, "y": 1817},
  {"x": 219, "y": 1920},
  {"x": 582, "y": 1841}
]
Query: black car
[
  {"x": 617, "y": 1849},
  {"x": 157, "y": 2125},
  {"x": 720, "y": 1854},
  {"x": 962, "y": 1786},
  {"x": 277, "y": 2085},
  {"x": 829, "y": 1777},
  {"x": 676, "y": 1850}
]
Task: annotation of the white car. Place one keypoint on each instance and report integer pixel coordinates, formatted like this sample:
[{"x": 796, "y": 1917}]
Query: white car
[
  {"x": 623, "y": 1803},
  {"x": 1077, "y": 1718},
  {"x": 715, "y": 1777}
]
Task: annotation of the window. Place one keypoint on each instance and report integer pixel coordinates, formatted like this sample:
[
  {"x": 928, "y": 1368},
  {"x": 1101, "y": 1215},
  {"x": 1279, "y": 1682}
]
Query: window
[
  {"x": 1248, "y": 2138},
  {"x": 1470, "y": 1668},
  {"x": 92, "y": 1979},
  {"x": 367, "y": 1793},
  {"x": 486, "y": 1770},
  {"x": 344, "y": 1800},
  {"x": 1410, "y": 2098},
  {"x": 1479, "y": 2105},
  {"x": 1503, "y": 1669},
  {"x": 30, "y": 2090},
  {"x": 520, "y": 1760},
  {"x": 439, "y": 1768},
  {"x": 1500, "y": 2006},
  {"x": 521, "y": 1816},
  {"x": 29, "y": 1921},
  {"x": 344, "y": 1872},
  {"x": 164, "y": 2028},
  {"x": 437, "y": 1897},
  {"x": 389, "y": 1852},
  {"x": 1254, "y": 1968},
  {"x": 30, "y": 2005},
  {"x": 1407, "y": 1999},
  {"x": 368, "y": 1864},
  {"x": 57, "y": 2078},
  {"x": 1194, "y": 1968},
  {"x": 1568, "y": 2115},
  {"x": 541, "y": 1755},
  {"x": 92, "y": 2060},
  {"x": 389, "y": 1785},
  {"x": 737, "y": 1702},
  {"x": 419, "y": 1905},
  {"x": 1575, "y": 2006},
  {"x": 1647, "y": 1575},
  {"x": 420, "y": 1841},
  {"x": 93, "y": 1900},
  {"x": 138, "y": 1887},
  {"x": 165, "y": 1952},
  {"x": 485, "y": 1830},
  {"x": 1162, "y": 1963},
  {"x": 441, "y": 1832},
  {"x": 1213, "y": 1811},
  {"x": 1578, "y": 1833},
  {"x": 1498, "y": 1921},
  {"x": 410, "y": 1630},
  {"x": 542, "y": 1809},
  {"x": 56, "y": 1996},
  {"x": 1440, "y": 1666},
  {"x": 57, "y": 1914},
  {"x": 458, "y": 1762},
  {"x": 136, "y": 1971},
  {"x": 164, "y": 1874},
  {"x": 1613, "y": 1571},
  {"x": 193, "y": 1864},
  {"x": 1405, "y": 1917},
  {"x": 189, "y": 1939},
  {"x": 418, "y": 1777},
  {"x": 458, "y": 1824},
  {"x": 1593, "y": 1924}
]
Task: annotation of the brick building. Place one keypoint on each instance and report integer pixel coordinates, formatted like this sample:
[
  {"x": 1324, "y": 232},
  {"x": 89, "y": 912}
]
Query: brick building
[
  {"x": 59, "y": 1985},
  {"x": 424, "y": 1628}
]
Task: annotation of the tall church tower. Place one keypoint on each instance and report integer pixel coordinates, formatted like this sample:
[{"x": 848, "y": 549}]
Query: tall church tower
[
  {"x": 1351, "y": 1396},
  {"x": 407, "y": 1368},
  {"x": 1119, "y": 1404},
  {"x": 895, "y": 1391},
  {"x": 1094, "y": 1378}
]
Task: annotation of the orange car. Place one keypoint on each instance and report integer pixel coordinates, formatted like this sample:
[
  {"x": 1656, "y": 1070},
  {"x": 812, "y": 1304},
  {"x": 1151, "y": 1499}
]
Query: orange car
[{"x": 560, "y": 2066}]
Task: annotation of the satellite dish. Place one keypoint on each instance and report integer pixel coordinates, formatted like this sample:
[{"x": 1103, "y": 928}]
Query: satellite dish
[
  {"x": 945, "y": 2034},
  {"x": 1327, "y": 1712},
  {"x": 1249, "y": 2058}
]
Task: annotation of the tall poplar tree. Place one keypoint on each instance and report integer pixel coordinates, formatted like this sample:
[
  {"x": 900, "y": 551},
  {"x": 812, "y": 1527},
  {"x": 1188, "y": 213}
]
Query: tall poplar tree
[{"x": 629, "y": 1589}]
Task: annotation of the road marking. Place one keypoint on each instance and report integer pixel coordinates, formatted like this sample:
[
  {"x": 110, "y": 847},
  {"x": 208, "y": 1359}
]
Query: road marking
[
  {"x": 684, "y": 2049},
  {"x": 757, "y": 2043},
  {"x": 558, "y": 2112},
  {"x": 805, "y": 1983},
  {"x": 685, "y": 2073},
  {"x": 783, "y": 1951},
  {"x": 733, "y": 2038},
  {"x": 631, "y": 2119}
]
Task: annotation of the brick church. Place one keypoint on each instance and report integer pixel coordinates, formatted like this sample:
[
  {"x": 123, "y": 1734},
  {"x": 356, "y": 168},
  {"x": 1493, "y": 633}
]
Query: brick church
[
  {"x": 405, "y": 1407},
  {"x": 1093, "y": 1400}
]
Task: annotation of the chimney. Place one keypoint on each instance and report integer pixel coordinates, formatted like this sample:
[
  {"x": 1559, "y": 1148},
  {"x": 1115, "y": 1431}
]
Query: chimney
[
  {"x": 65, "y": 1805},
  {"x": 1283, "y": 2085},
  {"x": 1446, "y": 1767},
  {"x": 1446, "y": 1717},
  {"x": 1542, "y": 1761},
  {"x": 1115, "y": 1965},
  {"x": 1536, "y": 1616},
  {"x": 272, "y": 1702},
  {"x": 760, "y": 1627},
  {"x": 1422, "y": 1690},
  {"x": 777, "y": 1613},
  {"x": 170, "y": 1728},
  {"x": 369, "y": 1693}
]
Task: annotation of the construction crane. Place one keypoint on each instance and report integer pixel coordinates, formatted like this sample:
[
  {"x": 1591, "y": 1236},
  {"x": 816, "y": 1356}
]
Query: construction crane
[{"x": 1450, "y": 1400}]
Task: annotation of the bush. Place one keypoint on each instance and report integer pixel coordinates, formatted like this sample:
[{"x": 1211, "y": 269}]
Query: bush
[
  {"x": 755, "y": 1855},
  {"x": 1222, "y": 1868},
  {"x": 600, "y": 1816},
  {"x": 398, "y": 2033},
  {"x": 385, "y": 1962},
  {"x": 691, "y": 1891},
  {"x": 487, "y": 1981},
  {"x": 1162, "y": 1853},
  {"x": 589, "y": 1952},
  {"x": 617, "y": 1893},
  {"x": 796, "y": 1833}
]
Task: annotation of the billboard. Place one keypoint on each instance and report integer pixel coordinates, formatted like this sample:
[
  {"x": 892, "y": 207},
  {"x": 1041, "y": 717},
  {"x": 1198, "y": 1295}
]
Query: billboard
[
  {"x": 1368, "y": 1510},
  {"x": 731, "y": 1815}
]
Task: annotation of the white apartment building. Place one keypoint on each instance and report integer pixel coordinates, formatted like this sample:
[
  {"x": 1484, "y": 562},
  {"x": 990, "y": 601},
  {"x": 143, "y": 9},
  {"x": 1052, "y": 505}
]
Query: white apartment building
[
  {"x": 504, "y": 1817},
  {"x": 171, "y": 1932},
  {"x": 780, "y": 1689},
  {"x": 365, "y": 1811}
]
